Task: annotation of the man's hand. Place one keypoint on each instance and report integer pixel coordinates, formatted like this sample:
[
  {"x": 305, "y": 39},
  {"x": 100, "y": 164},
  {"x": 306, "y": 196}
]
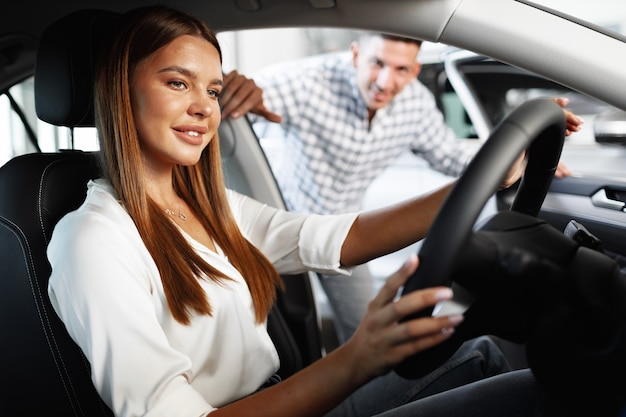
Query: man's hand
[
  {"x": 572, "y": 121},
  {"x": 562, "y": 171},
  {"x": 573, "y": 124},
  {"x": 241, "y": 95}
]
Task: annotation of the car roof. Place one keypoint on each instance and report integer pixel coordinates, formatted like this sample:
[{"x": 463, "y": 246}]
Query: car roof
[{"x": 557, "y": 48}]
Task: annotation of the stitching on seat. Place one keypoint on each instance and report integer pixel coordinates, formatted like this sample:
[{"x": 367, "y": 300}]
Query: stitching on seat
[
  {"x": 67, "y": 382},
  {"x": 43, "y": 317},
  {"x": 40, "y": 200}
]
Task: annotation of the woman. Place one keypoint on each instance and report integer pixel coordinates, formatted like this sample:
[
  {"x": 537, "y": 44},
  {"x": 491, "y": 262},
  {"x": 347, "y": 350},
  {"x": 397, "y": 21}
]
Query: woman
[{"x": 164, "y": 278}]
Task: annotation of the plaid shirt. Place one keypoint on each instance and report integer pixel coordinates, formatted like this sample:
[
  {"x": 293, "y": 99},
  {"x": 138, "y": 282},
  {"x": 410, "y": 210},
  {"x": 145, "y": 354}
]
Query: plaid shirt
[{"x": 333, "y": 154}]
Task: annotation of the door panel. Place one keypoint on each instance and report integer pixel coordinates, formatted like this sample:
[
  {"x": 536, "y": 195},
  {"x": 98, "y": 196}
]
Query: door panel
[{"x": 597, "y": 204}]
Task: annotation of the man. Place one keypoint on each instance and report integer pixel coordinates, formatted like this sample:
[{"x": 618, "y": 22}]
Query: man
[{"x": 347, "y": 117}]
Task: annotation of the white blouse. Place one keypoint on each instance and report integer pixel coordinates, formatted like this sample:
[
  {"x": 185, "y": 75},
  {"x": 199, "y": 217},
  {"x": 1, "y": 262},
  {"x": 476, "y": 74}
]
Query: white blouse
[{"x": 107, "y": 290}]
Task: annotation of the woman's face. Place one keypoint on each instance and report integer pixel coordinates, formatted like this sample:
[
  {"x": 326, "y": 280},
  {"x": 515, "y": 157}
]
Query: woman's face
[{"x": 174, "y": 96}]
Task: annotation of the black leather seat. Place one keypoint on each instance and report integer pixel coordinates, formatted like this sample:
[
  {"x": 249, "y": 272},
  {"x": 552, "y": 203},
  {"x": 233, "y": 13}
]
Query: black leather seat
[{"x": 45, "y": 373}]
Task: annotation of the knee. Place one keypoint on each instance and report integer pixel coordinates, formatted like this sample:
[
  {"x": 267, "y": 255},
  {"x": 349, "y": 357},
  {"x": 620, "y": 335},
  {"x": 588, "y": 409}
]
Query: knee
[{"x": 493, "y": 359}]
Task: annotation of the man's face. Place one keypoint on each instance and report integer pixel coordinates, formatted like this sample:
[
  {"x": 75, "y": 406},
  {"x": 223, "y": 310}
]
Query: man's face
[{"x": 383, "y": 68}]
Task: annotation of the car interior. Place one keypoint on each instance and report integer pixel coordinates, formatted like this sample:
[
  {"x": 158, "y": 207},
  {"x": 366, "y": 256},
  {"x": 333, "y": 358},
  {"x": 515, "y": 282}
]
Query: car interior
[{"x": 45, "y": 186}]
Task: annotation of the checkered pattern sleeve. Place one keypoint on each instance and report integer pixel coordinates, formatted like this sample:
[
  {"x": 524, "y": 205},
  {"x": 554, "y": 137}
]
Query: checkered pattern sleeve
[{"x": 435, "y": 141}]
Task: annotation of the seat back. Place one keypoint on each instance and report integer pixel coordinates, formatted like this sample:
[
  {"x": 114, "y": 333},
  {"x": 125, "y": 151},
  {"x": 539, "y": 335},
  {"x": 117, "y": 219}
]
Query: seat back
[{"x": 45, "y": 372}]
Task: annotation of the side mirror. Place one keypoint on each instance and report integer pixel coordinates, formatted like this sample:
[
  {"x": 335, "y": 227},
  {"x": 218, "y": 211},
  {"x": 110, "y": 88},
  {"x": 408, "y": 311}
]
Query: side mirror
[{"x": 610, "y": 127}]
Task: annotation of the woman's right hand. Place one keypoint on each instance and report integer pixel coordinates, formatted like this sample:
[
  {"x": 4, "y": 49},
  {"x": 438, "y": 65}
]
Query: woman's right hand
[{"x": 383, "y": 340}]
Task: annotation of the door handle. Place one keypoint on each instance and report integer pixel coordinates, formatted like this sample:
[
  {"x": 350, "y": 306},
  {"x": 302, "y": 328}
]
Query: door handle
[{"x": 602, "y": 199}]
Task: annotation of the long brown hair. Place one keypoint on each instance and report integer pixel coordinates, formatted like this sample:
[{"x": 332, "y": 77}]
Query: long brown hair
[{"x": 145, "y": 30}]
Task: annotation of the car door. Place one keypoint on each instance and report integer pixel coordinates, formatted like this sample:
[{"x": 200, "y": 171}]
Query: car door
[{"x": 594, "y": 196}]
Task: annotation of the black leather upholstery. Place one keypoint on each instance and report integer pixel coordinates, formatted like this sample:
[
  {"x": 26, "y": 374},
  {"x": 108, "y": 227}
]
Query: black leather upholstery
[
  {"x": 45, "y": 373},
  {"x": 64, "y": 67}
]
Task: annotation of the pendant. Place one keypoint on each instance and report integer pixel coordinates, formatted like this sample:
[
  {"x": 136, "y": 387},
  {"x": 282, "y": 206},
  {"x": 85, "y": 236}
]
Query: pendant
[{"x": 179, "y": 215}]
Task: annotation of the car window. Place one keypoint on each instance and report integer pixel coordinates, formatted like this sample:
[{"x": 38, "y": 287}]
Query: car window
[
  {"x": 499, "y": 88},
  {"x": 19, "y": 122},
  {"x": 14, "y": 120},
  {"x": 495, "y": 88}
]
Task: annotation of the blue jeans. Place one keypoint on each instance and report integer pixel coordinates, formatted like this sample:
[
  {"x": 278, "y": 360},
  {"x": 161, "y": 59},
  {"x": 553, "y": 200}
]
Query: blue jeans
[
  {"x": 392, "y": 395},
  {"x": 511, "y": 394}
]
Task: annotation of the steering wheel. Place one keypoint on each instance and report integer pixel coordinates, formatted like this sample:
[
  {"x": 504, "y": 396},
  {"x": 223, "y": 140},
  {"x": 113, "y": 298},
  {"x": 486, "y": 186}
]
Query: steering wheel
[{"x": 537, "y": 126}]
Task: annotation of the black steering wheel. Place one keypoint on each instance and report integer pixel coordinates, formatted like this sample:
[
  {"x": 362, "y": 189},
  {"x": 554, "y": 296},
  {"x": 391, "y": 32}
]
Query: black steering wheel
[
  {"x": 537, "y": 126},
  {"x": 519, "y": 278}
]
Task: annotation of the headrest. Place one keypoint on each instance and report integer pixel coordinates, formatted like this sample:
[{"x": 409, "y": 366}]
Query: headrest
[{"x": 64, "y": 69}]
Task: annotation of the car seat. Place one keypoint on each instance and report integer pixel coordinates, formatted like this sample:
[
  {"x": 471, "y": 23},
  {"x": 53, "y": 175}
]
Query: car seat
[{"x": 45, "y": 372}]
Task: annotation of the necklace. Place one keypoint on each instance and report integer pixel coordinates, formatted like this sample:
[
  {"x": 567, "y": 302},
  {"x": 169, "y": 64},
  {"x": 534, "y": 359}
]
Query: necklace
[{"x": 172, "y": 213}]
